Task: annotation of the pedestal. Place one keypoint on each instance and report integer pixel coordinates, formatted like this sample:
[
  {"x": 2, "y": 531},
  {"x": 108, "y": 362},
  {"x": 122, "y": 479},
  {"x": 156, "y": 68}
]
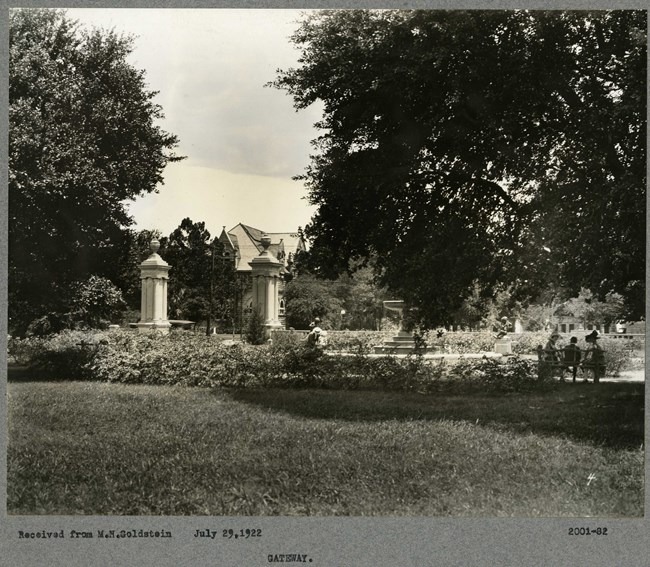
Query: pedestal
[
  {"x": 154, "y": 273},
  {"x": 266, "y": 285}
]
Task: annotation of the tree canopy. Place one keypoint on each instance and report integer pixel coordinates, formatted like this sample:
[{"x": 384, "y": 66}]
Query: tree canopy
[
  {"x": 83, "y": 139},
  {"x": 349, "y": 302},
  {"x": 499, "y": 147},
  {"x": 201, "y": 279}
]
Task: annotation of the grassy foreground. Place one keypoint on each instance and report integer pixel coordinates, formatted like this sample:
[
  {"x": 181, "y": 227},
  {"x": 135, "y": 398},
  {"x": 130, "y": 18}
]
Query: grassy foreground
[{"x": 100, "y": 448}]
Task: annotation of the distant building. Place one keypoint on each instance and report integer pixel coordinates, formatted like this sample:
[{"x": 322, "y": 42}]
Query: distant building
[
  {"x": 567, "y": 323},
  {"x": 242, "y": 243}
]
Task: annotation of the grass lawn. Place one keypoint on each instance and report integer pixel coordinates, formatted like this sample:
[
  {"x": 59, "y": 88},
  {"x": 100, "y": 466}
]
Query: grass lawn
[{"x": 99, "y": 448}]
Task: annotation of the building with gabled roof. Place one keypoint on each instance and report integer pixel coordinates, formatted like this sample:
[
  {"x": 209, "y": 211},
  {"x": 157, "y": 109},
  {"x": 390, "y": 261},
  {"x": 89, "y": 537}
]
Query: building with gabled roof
[{"x": 242, "y": 243}]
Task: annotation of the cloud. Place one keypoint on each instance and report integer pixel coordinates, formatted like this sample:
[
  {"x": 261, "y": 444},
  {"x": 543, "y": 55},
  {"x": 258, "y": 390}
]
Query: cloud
[
  {"x": 210, "y": 68},
  {"x": 244, "y": 141},
  {"x": 221, "y": 198}
]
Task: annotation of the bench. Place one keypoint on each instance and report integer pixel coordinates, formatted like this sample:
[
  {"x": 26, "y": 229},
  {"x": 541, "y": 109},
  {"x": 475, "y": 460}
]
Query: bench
[{"x": 554, "y": 363}]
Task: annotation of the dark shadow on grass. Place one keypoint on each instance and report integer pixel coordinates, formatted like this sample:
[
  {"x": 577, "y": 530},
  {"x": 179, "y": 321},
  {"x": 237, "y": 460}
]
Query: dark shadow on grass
[
  {"x": 608, "y": 414},
  {"x": 17, "y": 373}
]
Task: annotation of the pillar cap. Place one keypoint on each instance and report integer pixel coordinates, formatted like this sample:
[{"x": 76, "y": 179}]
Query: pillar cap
[
  {"x": 154, "y": 260},
  {"x": 265, "y": 258}
]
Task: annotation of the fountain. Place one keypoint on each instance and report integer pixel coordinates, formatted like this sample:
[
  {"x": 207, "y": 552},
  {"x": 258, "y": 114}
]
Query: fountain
[{"x": 403, "y": 342}]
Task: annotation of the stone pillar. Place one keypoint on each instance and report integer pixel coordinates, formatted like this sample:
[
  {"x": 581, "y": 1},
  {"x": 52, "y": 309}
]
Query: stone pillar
[
  {"x": 154, "y": 273},
  {"x": 266, "y": 279}
]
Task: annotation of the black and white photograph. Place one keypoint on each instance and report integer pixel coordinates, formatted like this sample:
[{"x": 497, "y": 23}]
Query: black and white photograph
[{"x": 347, "y": 286}]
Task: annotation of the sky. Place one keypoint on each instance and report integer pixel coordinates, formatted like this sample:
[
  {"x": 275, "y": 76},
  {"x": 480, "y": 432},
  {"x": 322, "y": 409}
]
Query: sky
[{"x": 243, "y": 141}]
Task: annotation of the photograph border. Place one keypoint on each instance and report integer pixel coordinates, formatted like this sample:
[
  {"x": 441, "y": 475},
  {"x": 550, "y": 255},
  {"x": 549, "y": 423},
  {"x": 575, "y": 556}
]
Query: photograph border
[{"x": 320, "y": 541}]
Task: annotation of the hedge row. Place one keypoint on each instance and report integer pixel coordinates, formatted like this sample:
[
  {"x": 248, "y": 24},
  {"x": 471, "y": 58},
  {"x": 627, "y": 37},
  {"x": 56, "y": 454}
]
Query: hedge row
[
  {"x": 364, "y": 342},
  {"x": 618, "y": 352},
  {"x": 195, "y": 360}
]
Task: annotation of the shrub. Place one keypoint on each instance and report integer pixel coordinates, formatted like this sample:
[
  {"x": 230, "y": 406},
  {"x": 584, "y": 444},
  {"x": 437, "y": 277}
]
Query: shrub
[
  {"x": 89, "y": 304},
  {"x": 190, "y": 359},
  {"x": 49, "y": 324},
  {"x": 193, "y": 359},
  {"x": 22, "y": 351},
  {"x": 68, "y": 355},
  {"x": 489, "y": 374},
  {"x": 461, "y": 342},
  {"x": 96, "y": 302},
  {"x": 360, "y": 342},
  {"x": 255, "y": 332},
  {"x": 618, "y": 354},
  {"x": 291, "y": 337},
  {"x": 526, "y": 343}
]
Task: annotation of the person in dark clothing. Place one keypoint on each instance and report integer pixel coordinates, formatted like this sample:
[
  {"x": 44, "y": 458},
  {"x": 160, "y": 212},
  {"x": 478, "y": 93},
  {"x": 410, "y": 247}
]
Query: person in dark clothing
[
  {"x": 594, "y": 356},
  {"x": 572, "y": 355}
]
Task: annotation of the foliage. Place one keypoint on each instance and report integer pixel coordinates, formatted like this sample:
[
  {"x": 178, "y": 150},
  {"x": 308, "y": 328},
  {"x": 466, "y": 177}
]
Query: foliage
[
  {"x": 515, "y": 375},
  {"x": 193, "y": 359},
  {"x": 196, "y": 360},
  {"x": 473, "y": 311},
  {"x": 538, "y": 316},
  {"x": 68, "y": 355},
  {"x": 453, "y": 152},
  {"x": 352, "y": 301},
  {"x": 527, "y": 343},
  {"x": 255, "y": 332},
  {"x": 96, "y": 302},
  {"x": 201, "y": 279},
  {"x": 83, "y": 140},
  {"x": 590, "y": 310},
  {"x": 308, "y": 297},
  {"x": 357, "y": 342},
  {"x": 618, "y": 354},
  {"x": 363, "y": 299},
  {"x": 22, "y": 351},
  {"x": 136, "y": 248},
  {"x": 460, "y": 342},
  {"x": 48, "y": 324},
  {"x": 187, "y": 250},
  {"x": 93, "y": 303}
]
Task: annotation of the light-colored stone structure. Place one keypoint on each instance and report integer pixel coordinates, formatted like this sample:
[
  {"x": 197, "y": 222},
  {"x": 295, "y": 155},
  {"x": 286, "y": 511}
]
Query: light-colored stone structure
[
  {"x": 403, "y": 342},
  {"x": 154, "y": 273},
  {"x": 503, "y": 346},
  {"x": 266, "y": 285}
]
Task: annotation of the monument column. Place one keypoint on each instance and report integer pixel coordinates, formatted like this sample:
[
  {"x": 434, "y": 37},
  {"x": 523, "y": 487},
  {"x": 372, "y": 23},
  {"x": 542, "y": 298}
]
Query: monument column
[
  {"x": 266, "y": 271},
  {"x": 154, "y": 273}
]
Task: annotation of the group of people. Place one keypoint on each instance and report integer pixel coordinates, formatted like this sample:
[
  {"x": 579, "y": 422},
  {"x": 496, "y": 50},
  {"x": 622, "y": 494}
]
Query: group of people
[{"x": 570, "y": 357}]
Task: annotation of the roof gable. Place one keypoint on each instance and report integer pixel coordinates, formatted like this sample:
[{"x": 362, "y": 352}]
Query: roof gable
[{"x": 248, "y": 242}]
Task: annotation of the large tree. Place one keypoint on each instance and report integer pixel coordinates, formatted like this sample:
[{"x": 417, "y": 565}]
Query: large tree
[
  {"x": 202, "y": 283},
  {"x": 350, "y": 302},
  {"x": 83, "y": 139},
  {"x": 504, "y": 147}
]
